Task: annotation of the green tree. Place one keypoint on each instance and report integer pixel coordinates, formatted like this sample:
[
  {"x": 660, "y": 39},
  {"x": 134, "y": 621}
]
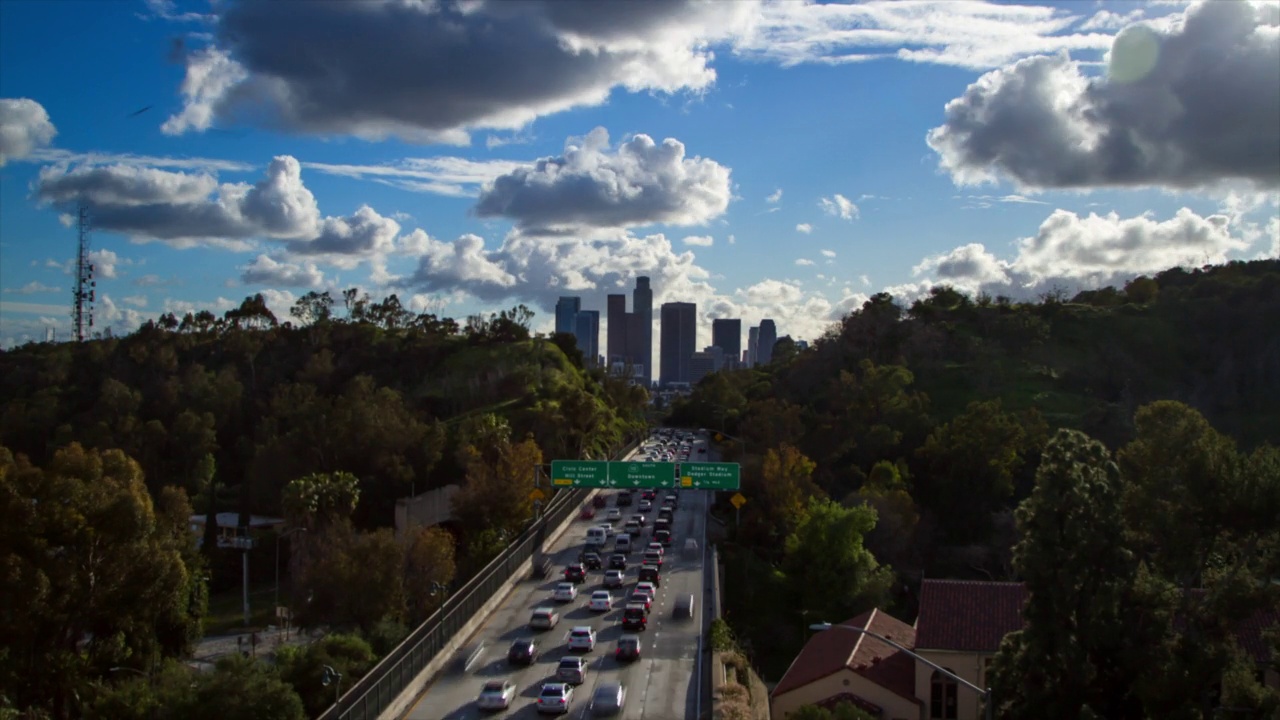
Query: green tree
[
  {"x": 430, "y": 559},
  {"x": 353, "y": 579},
  {"x": 781, "y": 494},
  {"x": 1082, "y": 637},
  {"x": 303, "y": 667},
  {"x": 92, "y": 577},
  {"x": 242, "y": 688},
  {"x": 833, "y": 574}
]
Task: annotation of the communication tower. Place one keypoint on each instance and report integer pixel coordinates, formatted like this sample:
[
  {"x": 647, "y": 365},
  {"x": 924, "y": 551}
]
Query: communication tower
[{"x": 82, "y": 307}]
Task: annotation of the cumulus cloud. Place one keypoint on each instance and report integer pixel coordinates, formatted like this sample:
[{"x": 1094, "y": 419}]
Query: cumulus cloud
[
  {"x": 804, "y": 262},
  {"x": 343, "y": 240},
  {"x": 1192, "y": 104},
  {"x": 774, "y": 197},
  {"x": 24, "y": 126},
  {"x": 32, "y": 288},
  {"x": 829, "y": 253},
  {"x": 139, "y": 301},
  {"x": 265, "y": 270},
  {"x": 1107, "y": 20},
  {"x": 1074, "y": 252},
  {"x": 700, "y": 240},
  {"x": 590, "y": 186},
  {"x": 105, "y": 262},
  {"x": 433, "y": 71},
  {"x": 839, "y": 206},
  {"x": 805, "y": 228}
]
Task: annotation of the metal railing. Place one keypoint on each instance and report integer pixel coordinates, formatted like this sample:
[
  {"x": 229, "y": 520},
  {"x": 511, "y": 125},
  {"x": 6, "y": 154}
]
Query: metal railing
[{"x": 380, "y": 687}]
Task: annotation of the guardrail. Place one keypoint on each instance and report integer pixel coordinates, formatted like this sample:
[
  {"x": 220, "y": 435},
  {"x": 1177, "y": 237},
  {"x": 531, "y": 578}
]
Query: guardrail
[{"x": 375, "y": 692}]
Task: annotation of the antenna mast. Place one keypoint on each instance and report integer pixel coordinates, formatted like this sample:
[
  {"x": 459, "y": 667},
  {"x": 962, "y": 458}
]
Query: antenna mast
[{"x": 82, "y": 307}]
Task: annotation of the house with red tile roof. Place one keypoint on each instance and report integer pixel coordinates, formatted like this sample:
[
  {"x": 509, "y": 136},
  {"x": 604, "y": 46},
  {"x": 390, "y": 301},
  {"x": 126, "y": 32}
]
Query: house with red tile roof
[{"x": 839, "y": 665}]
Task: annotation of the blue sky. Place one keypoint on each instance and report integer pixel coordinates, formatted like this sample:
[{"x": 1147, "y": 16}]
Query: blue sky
[{"x": 762, "y": 159}]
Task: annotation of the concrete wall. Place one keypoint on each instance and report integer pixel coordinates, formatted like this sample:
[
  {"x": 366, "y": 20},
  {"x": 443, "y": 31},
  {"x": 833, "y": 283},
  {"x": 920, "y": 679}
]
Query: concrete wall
[
  {"x": 426, "y": 509},
  {"x": 845, "y": 681},
  {"x": 968, "y": 666},
  {"x": 449, "y": 653}
]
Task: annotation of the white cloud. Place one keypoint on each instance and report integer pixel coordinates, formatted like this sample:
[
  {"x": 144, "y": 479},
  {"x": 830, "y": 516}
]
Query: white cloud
[
  {"x": 1107, "y": 20},
  {"x": 24, "y": 126},
  {"x": 32, "y": 288},
  {"x": 139, "y": 301},
  {"x": 732, "y": 240},
  {"x": 805, "y": 228},
  {"x": 829, "y": 253},
  {"x": 449, "y": 176},
  {"x": 268, "y": 271},
  {"x": 1190, "y": 104},
  {"x": 211, "y": 75},
  {"x": 839, "y": 206},
  {"x": 641, "y": 183},
  {"x": 804, "y": 261},
  {"x": 105, "y": 261},
  {"x": 700, "y": 240},
  {"x": 774, "y": 197},
  {"x": 133, "y": 160},
  {"x": 344, "y": 241}
]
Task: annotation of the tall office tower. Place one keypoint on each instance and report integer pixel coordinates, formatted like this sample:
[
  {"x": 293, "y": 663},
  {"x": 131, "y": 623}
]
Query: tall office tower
[
  {"x": 727, "y": 335},
  {"x": 768, "y": 336},
  {"x": 679, "y": 338},
  {"x": 642, "y": 309},
  {"x": 753, "y": 347},
  {"x": 616, "y": 343},
  {"x": 587, "y": 330},
  {"x": 702, "y": 364},
  {"x": 566, "y": 313}
]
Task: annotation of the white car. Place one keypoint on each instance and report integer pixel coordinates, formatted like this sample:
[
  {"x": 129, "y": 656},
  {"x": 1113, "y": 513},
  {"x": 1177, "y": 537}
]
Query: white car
[
  {"x": 601, "y": 601},
  {"x": 613, "y": 578},
  {"x": 655, "y": 547},
  {"x": 582, "y": 638},
  {"x": 647, "y": 588},
  {"x": 496, "y": 695},
  {"x": 555, "y": 698},
  {"x": 613, "y": 514},
  {"x": 565, "y": 592}
]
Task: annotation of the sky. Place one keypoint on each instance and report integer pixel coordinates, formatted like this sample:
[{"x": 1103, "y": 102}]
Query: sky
[{"x": 762, "y": 159}]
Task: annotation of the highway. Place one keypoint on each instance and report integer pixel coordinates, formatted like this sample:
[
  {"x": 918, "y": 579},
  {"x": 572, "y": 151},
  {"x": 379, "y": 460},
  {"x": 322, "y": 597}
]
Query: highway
[{"x": 662, "y": 685}]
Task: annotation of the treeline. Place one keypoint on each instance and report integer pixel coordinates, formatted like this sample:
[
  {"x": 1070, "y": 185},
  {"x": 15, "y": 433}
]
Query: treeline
[{"x": 936, "y": 416}]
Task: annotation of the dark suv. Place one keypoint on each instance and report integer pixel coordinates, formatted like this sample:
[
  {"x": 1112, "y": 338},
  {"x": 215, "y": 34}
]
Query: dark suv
[
  {"x": 617, "y": 561},
  {"x": 591, "y": 561},
  {"x": 635, "y": 617},
  {"x": 624, "y": 499},
  {"x": 649, "y": 573},
  {"x": 575, "y": 573}
]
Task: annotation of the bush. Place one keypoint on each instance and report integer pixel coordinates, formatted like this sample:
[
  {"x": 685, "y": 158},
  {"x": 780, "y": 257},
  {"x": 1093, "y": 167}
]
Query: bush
[
  {"x": 386, "y": 635},
  {"x": 722, "y": 639},
  {"x": 303, "y": 667}
]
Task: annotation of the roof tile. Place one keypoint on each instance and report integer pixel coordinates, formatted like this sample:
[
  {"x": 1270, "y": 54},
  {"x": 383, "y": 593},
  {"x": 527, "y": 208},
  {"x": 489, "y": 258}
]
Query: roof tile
[{"x": 967, "y": 615}]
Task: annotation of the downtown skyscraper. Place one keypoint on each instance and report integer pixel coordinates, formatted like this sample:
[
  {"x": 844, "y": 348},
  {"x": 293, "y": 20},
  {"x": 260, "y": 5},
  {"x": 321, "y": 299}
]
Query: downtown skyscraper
[{"x": 679, "y": 322}]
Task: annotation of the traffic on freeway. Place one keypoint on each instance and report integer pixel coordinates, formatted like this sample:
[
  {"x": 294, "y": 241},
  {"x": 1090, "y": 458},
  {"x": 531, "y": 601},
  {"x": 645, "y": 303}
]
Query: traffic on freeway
[{"x": 614, "y": 627}]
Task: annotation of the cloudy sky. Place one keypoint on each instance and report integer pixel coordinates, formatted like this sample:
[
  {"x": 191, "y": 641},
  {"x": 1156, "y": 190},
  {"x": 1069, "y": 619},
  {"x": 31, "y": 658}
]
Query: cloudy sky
[{"x": 759, "y": 158}]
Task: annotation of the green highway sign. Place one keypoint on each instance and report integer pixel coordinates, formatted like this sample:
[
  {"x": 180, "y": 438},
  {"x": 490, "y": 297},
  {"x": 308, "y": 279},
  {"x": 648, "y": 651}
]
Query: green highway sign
[
  {"x": 710, "y": 475},
  {"x": 628, "y": 475},
  {"x": 579, "y": 473}
]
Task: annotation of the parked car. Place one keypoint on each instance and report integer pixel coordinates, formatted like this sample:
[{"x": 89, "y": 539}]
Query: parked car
[
  {"x": 523, "y": 652},
  {"x": 555, "y": 698},
  {"x": 496, "y": 695},
  {"x": 582, "y": 638},
  {"x": 565, "y": 592},
  {"x": 628, "y": 648},
  {"x": 544, "y": 618},
  {"x": 572, "y": 669}
]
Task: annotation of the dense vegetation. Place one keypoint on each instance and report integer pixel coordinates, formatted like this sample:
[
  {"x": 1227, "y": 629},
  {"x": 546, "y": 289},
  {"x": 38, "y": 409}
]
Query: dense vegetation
[
  {"x": 108, "y": 447},
  {"x": 913, "y": 433}
]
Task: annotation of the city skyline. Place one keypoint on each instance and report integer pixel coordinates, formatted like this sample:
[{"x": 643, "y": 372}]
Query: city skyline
[{"x": 778, "y": 159}]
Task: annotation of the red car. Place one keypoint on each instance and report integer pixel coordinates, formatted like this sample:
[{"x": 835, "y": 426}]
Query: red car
[{"x": 588, "y": 512}]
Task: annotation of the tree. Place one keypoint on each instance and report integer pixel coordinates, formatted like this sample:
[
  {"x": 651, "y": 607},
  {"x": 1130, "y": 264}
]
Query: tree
[
  {"x": 783, "y": 492},
  {"x": 353, "y": 580},
  {"x": 1083, "y": 646},
  {"x": 833, "y": 574},
  {"x": 430, "y": 559},
  {"x": 92, "y": 576},
  {"x": 303, "y": 667},
  {"x": 242, "y": 688},
  {"x": 496, "y": 493},
  {"x": 313, "y": 308}
]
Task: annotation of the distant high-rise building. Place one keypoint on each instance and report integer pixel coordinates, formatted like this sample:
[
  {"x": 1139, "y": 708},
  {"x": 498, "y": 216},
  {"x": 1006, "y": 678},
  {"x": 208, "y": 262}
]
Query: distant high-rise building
[
  {"x": 768, "y": 336},
  {"x": 566, "y": 314},
  {"x": 802, "y": 344},
  {"x": 679, "y": 338},
  {"x": 587, "y": 331},
  {"x": 726, "y": 334},
  {"x": 642, "y": 310},
  {"x": 704, "y": 363},
  {"x": 753, "y": 347},
  {"x": 616, "y": 308}
]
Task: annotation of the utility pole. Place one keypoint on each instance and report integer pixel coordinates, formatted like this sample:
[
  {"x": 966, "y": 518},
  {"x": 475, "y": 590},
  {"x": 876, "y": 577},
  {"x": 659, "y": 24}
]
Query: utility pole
[{"x": 83, "y": 295}]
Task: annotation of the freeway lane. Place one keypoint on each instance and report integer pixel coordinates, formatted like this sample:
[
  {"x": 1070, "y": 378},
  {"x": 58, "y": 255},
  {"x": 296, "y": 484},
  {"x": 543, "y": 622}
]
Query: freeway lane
[{"x": 662, "y": 685}]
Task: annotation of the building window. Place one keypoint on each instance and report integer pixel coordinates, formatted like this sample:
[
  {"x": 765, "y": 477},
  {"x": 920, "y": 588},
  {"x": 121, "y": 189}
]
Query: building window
[{"x": 943, "y": 692}]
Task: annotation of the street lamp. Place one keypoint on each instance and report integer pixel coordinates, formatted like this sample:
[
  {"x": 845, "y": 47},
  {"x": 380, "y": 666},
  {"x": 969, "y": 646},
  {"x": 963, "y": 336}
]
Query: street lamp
[
  {"x": 986, "y": 694},
  {"x": 280, "y": 537}
]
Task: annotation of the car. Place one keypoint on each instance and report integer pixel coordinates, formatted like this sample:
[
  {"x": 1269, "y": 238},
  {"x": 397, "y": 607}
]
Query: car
[
  {"x": 601, "y": 601},
  {"x": 576, "y": 573},
  {"x": 613, "y": 514},
  {"x": 523, "y": 652},
  {"x": 608, "y": 699},
  {"x": 635, "y": 616},
  {"x": 587, "y": 513},
  {"x": 702, "y": 451},
  {"x": 648, "y": 587},
  {"x": 628, "y": 648},
  {"x": 607, "y": 527},
  {"x": 638, "y": 519},
  {"x": 631, "y": 528},
  {"x": 544, "y": 618},
  {"x": 644, "y": 506},
  {"x": 572, "y": 669},
  {"x": 684, "y": 607},
  {"x": 599, "y": 501},
  {"x": 591, "y": 561},
  {"x": 582, "y": 638},
  {"x": 555, "y": 698},
  {"x": 651, "y": 574},
  {"x": 652, "y": 558},
  {"x": 617, "y": 561},
  {"x": 663, "y": 536},
  {"x": 673, "y": 500},
  {"x": 644, "y": 600},
  {"x": 565, "y": 592},
  {"x": 655, "y": 546},
  {"x": 496, "y": 695},
  {"x": 649, "y": 494},
  {"x": 613, "y": 578},
  {"x": 624, "y": 499}
]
